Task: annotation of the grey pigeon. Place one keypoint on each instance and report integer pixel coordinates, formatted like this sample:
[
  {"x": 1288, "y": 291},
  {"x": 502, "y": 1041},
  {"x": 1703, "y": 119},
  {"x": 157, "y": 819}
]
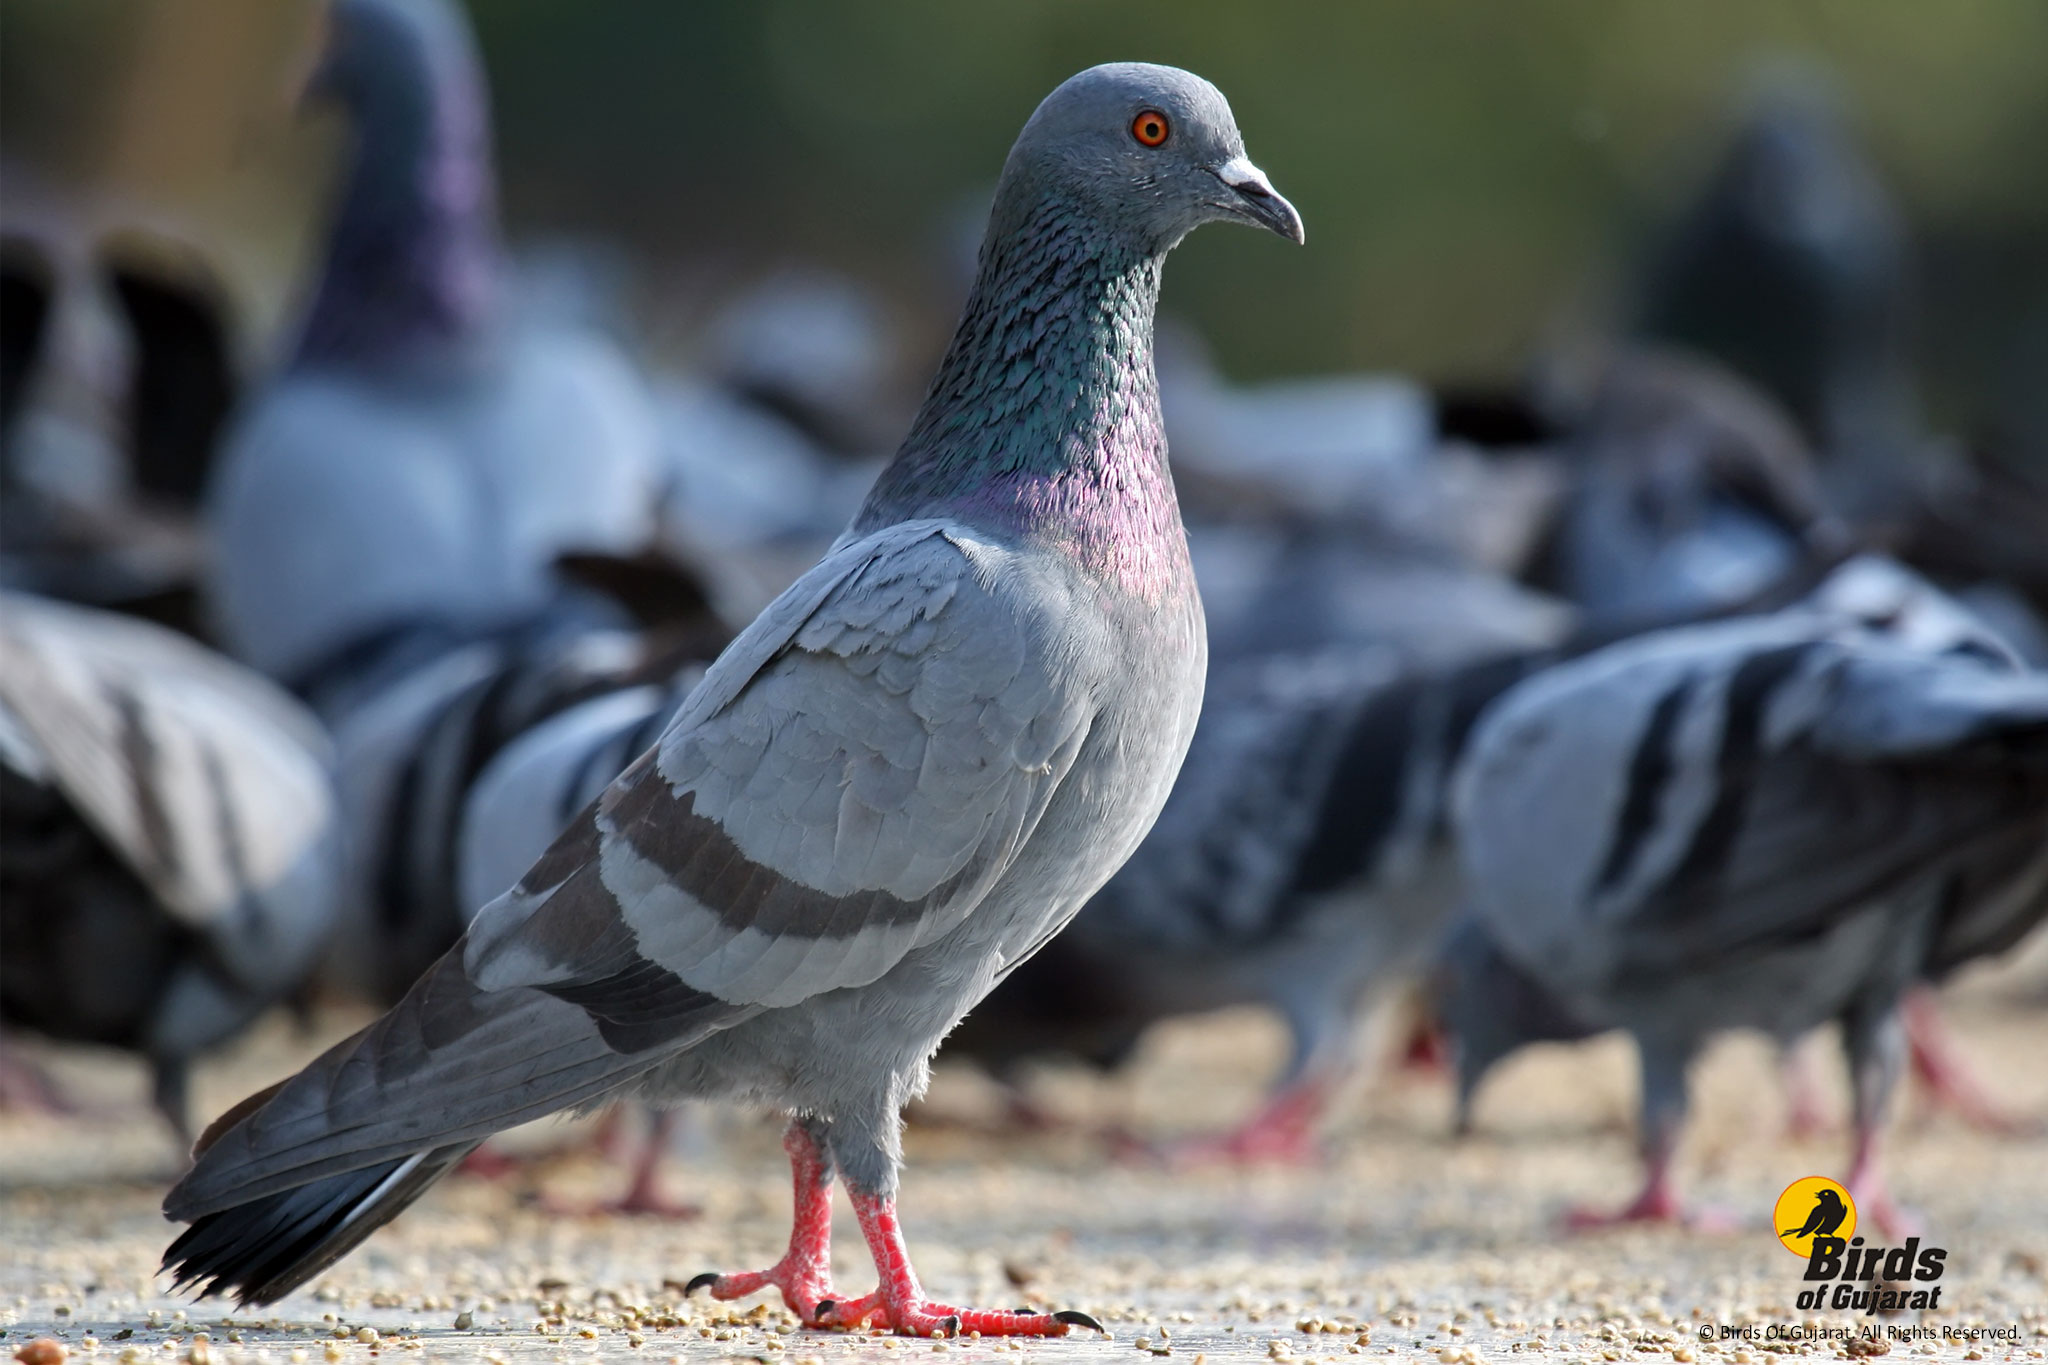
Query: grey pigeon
[
  {"x": 170, "y": 861},
  {"x": 407, "y": 481},
  {"x": 116, "y": 369},
  {"x": 903, "y": 778},
  {"x": 1794, "y": 267},
  {"x": 1689, "y": 490},
  {"x": 1768, "y": 824}
]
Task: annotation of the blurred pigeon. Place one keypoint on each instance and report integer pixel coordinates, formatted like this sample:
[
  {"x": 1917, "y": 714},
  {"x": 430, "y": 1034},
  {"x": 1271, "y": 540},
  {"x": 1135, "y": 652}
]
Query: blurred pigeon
[
  {"x": 817, "y": 350},
  {"x": 896, "y": 784},
  {"x": 1304, "y": 586},
  {"x": 171, "y": 859},
  {"x": 115, "y": 372},
  {"x": 412, "y": 477},
  {"x": 1793, "y": 268},
  {"x": 1768, "y": 823},
  {"x": 1689, "y": 491}
]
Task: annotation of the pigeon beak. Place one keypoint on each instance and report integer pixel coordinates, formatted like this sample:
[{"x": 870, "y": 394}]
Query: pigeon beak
[{"x": 1253, "y": 199}]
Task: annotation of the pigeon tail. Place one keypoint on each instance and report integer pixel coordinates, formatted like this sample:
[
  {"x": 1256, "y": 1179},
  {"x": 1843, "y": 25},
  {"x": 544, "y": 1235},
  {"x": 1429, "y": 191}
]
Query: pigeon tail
[
  {"x": 264, "y": 1249},
  {"x": 289, "y": 1180}
]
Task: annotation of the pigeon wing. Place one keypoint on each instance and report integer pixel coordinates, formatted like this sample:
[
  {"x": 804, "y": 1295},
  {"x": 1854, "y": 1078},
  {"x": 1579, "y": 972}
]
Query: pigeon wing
[
  {"x": 211, "y": 784},
  {"x": 846, "y": 784},
  {"x": 1838, "y": 774}
]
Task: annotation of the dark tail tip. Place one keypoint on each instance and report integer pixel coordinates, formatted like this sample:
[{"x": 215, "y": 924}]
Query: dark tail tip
[{"x": 263, "y": 1250}]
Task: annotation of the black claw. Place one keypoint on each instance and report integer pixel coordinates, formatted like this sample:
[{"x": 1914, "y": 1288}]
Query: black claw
[
  {"x": 1027, "y": 1310},
  {"x": 949, "y": 1325},
  {"x": 704, "y": 1281},
  {"x": 1074, "y": 1317},
  {"x": 824, "y": 1309}
]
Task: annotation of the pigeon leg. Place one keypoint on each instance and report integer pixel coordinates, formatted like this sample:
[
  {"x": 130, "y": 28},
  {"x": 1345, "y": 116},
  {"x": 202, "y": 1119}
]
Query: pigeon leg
[
  {"x": 171, "y": 1091},
  {"x": 1663, "y": 1121},
  {"x": 26, "y": 1087},
  {"x": 1284, "y": 1128},
  {"x": 644, "y": 1197},
  {"x": 899, "y": 1301},
  {"x": 804, "y": 1274},
  {"x": 1876, "y": 1043},
  {"x": 1872, "y": 1192},
  {"x": 1805, "y": 1116},
  {"x": 1950, "y": 1079},
  {"x": 1283, "y": 1131}
]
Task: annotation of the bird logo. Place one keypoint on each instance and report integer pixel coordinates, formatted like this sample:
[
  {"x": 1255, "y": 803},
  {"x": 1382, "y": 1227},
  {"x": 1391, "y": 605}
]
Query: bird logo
[{"x": 1814, "y": 1206}]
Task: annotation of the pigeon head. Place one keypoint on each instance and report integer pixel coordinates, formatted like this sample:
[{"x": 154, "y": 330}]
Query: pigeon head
[
  {"x": 1149, "y": 153},
  {"x": 1043, "y": 420},
  {"x": 412, "y": 256},
  {"x": 1492, "y": 1009}
]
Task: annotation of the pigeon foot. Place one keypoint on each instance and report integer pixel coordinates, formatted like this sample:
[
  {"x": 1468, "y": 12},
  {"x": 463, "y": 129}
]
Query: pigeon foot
[
  {"x": 644, "y": 1198},
  {"x": 1658, "y": 1203},
  {"x": 899, "y": 1303},
  {"x": 1952, "y": 1082},
  {"x": 1283, "y": 1132},
  {"x": 804, "y": 1274}
]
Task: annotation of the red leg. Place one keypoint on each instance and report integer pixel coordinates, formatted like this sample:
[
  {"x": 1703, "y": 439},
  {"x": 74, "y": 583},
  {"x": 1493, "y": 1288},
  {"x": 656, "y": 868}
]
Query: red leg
[
  {"x": 1283, "y": 1131},
  {"x": 1805, "y": 1116},
  {"x": 644, "y": 1197},
  {"x": 804, "y": 1274},
  {"x": 1658, "y": 1201},
  {"x": 1872, "y": 1193},
  {"x": 26, "y": 1087},
  {"x": 899, "y": 1301},
  {"x": 1427, "y": 1051},
  {"x": 1950, "y": 1079}
]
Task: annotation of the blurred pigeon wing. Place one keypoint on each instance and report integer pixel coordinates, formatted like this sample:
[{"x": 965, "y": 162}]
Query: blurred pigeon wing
[
  {"x": 845, "y": 785},
  {"x": 1215, "y": 868},
  {"x": 209, "y": 782}
]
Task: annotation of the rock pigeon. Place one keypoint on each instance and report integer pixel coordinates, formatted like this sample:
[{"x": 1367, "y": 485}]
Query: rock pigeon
[
  {"x": 1766, "y": 823},
  {"x": 1793, "y": 267},
  {"x": 116, "y": 368},
  {"x": 169, "y": 858},
  {"x": 1689, "y": 491},
  {"x": 897, "y": 783},
  {"x": 411, "y": 478}
]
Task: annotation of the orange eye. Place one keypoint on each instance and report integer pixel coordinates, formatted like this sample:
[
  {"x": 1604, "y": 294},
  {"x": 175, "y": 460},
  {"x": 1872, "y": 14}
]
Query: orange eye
[{"x": 1150, "y": 128}]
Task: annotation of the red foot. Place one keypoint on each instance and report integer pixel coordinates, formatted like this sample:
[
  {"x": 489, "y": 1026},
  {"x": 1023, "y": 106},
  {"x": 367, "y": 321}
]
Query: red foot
[
  {"x": 1658, "y": 1203},
  {"x": 1427, "y": 1051},
  {"x": 1951, "y": 1081},
  {"x": 27, "y": 1088},
  {"x": 644, "y": 1198},
  {"x": 1873, "y": 1195},
  {"x": 804, "y": 1274},
  {"x": 899, "y": 1302},
  {"x": 488, "y": 1163},
  {"x": 1283, "y": 1132}
]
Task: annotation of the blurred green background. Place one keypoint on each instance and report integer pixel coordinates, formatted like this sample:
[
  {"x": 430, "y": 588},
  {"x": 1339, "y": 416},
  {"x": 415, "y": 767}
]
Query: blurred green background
[{"x": 1472, "y": 172}]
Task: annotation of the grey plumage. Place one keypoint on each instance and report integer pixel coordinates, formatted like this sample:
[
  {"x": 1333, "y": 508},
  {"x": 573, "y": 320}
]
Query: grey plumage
[
  {"x": 1689, "y": 491},
  {"x": 1767, "y": 823},
  {"x": 899, "y": 781},
  {"x": 408, "y": 472},
  {"x": 172, "y": 857}
]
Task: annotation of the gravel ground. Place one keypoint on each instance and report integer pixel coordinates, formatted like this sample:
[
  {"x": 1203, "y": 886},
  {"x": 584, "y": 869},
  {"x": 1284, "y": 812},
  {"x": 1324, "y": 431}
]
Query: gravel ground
[{"x": 1404, "y": 1244}]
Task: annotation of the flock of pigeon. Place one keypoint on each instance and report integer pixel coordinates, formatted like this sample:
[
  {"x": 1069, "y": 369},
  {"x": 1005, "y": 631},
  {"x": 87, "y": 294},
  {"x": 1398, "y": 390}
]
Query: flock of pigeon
[{"x": 1700, "y": 693}]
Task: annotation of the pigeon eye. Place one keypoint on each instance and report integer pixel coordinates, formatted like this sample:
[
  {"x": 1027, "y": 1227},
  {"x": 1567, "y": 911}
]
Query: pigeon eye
[{"x": 1150, "y": 128}]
